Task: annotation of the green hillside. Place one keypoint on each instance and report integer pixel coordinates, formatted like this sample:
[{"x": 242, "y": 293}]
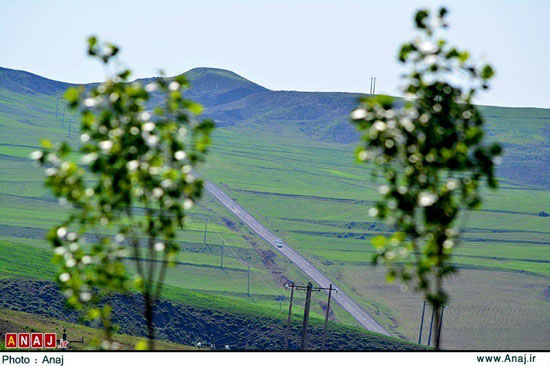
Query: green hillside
[
  {"x": 288, "y": 158},
  {"x": 82, "y": 336}
]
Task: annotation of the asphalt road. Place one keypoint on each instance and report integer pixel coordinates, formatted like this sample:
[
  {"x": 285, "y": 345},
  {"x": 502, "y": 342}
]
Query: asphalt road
[{"x": 340, "y": 297}]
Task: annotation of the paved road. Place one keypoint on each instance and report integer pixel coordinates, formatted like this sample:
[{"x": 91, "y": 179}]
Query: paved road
[{"x": 340, "y": 297}]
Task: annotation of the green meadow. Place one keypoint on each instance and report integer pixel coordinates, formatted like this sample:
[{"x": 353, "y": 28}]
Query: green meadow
[
  {"x": 28, "y": 211},
  {"x": 313, "y": 194},
  {"x": 316, "y": 197}
]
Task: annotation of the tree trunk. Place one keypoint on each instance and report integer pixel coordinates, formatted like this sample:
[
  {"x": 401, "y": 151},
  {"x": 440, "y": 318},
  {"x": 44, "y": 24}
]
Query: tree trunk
[
  {"x": 149, "y": 320},
  {"x": 437, "y": 310},
  {"x": 437, "y": 317}
]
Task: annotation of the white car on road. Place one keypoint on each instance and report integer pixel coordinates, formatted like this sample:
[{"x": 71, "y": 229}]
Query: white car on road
[{"x": 279, "y": 243}]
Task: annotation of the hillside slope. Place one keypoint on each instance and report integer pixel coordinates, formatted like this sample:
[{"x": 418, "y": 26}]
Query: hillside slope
[
  {"x": 200, "y": 319},
  {"x": 235, "y": 102},
  {"x": 282, "y": 165}
]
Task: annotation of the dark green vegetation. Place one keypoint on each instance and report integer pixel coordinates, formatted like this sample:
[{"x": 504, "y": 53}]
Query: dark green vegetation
[
  {"x": 12, "y": 321},
  {"x": 202, "y": 319},
  {"x": 295, "y": 174}
]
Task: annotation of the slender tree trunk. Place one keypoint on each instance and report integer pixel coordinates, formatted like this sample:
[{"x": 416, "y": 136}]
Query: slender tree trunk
[
  {"x": 149, "y": 320},
  {"x": 437, "y": 316},
  {"x": 107, "y": 326},
  {"x": 437, "y": 311}
]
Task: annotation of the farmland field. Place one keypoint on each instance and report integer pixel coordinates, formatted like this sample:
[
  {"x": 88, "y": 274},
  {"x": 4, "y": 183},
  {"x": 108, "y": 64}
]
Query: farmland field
[
  {"x": 27, "y": 211},
  {"x": 311, "y": 192},
  {"x": 316, "y": 198}
]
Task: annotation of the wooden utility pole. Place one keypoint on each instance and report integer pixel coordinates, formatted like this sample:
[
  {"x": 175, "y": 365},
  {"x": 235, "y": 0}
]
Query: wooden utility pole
[
  {"x": 309, "y": 288},
  {"x": 289, "y": 315},
  {"x": 421, "y": 322},
  {"x": 330, "y": 289},
  {"x": 306, "y": 316}
]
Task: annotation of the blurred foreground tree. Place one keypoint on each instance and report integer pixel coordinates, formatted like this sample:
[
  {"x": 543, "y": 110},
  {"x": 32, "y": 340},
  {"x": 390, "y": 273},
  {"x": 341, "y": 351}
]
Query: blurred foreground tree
[
  {"x": 431, "y": 154},
  {"x": 135, "y": 181}
]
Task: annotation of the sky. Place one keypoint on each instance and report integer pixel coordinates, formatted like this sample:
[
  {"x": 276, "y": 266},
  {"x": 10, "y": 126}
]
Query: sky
[{"x": 283, "y": 45}]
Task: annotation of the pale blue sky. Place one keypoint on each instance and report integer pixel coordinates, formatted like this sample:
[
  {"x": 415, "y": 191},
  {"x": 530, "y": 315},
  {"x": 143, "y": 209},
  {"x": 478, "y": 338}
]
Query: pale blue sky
[{"x": 298, "y": 45}]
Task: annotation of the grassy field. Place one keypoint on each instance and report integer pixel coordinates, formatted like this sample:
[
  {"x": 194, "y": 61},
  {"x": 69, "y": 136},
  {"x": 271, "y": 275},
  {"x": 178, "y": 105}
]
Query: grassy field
[
  {"x": 27, "y": 211},
  {"x": 313, "y": 194},
  {"x": 316, "y": 197}
]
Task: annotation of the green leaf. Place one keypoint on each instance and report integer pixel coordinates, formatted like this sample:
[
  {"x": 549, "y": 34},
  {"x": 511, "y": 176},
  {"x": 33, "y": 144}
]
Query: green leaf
[
  {"x": 72, "y": 95},
  {"x": 405, "y": 50},
  {"x": 464, "y": 56},
  {"x": 378, "y": 241},
  {"x": 46, "y": 144},
  {"x": 420, "y": 18},
  {"x": 195, "y": 108},
  {"x": 487, "y": 72}
]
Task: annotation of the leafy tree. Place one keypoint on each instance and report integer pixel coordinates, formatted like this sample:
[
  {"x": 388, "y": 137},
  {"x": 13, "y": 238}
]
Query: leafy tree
[
  {"x": 430, "y": 152},
  {"x": 135, "y": 181}
]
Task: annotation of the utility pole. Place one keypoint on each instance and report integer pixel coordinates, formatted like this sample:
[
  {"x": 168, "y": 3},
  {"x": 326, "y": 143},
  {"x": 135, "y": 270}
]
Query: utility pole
[
  {"x": 221, "y": 262},
  {"x": 63, "y": 120},
  {"x": 306, "y": 316},
  {"x": 56, "y": 107},
  {"x": 70, "y": 123},
  {"x": 309, "y": 288},
  {"x": 421, "y": 322},
  {"x": 248, "y": 282},
  {"x": 289, "y": 315},
  {"x": 330, "y": 289},
  {"x": 370, "y": 87},
  {"x": 431, "y": 324}
]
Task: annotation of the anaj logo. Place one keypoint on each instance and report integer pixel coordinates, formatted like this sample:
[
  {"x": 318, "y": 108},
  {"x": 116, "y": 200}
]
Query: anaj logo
[{"x": 33, "y": 340}]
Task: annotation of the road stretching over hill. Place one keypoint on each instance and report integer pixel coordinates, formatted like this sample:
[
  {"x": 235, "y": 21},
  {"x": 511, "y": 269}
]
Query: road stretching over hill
[{"x": 340, "y": 297}]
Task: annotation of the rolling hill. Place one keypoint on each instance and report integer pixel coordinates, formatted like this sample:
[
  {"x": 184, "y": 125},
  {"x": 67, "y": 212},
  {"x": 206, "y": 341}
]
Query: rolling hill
[
  {"x": 287, "y": 157},
  {"x": 232, "y": 100}
]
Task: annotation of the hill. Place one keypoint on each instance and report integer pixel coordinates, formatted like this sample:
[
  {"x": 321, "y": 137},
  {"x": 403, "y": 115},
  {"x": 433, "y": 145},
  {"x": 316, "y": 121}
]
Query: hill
[
  {"x": 202, "y": 318},
  {"x": 233, "y": 101},
  {"x": 276, "y": 154},
  {"x": 12, "y": 321},
  {"x": 24, "y": 82}
]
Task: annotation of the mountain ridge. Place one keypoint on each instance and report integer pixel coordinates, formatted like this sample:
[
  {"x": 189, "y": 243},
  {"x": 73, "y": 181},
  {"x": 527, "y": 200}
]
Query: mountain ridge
[
  {"x": 233, "y": 101},
  {"x": 230, "y": 100}
]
